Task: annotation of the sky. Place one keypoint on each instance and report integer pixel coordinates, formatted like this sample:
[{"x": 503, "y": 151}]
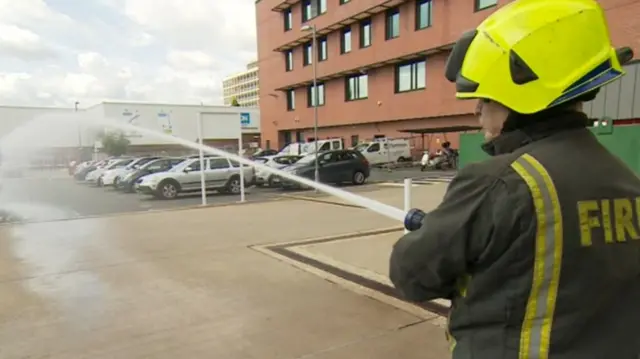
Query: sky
[{"x": 57, "y": 52}]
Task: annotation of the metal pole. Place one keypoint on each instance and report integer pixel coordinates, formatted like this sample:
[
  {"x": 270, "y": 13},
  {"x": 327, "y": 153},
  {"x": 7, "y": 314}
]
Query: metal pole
[
  {"x": 314, "y": 58},
  {"x": 408, "y": 183},
  {"x": 242, "y": 193},
  {"x": 203, "y": 186},
  {"x": 75, "y": 110}
]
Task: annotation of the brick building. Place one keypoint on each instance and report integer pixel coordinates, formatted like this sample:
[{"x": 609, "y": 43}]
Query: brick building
[{"x": 380, "y": 66}]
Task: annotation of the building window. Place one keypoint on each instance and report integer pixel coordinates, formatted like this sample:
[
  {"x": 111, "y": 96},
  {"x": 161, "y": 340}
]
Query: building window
[
  {"x": 307, "y": 57},
  {"x": 365, "y": 33},
  {"x": 423, "y": 14},
  {"x": 354, "y": 140},
  {"x": 411, "y": 76},
  {"x": 357, "y": 87},
  {"x": 311, "y": 98},
  {"x": 291, "y": 100},
  {"x": 288, "y": 59},
  {"x": 485, "y": 4},
  {"x": 322, "y": 48},
  {"x": 288, "y": 20},
  {"x": 345, "y": 41},
  {"x": 313, "y": 8},
  {"x": 392, "y": 24}
]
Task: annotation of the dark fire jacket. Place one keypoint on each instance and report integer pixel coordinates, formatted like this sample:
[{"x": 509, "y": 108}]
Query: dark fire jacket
[{"x": 538, "y": 248}]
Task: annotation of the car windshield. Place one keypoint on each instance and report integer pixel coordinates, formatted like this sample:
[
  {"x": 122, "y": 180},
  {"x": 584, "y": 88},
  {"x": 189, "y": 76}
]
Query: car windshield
[
  {"x": 115, "y": 164},
  {"x": 150, "y": 163},
  {"x": 134, "y": 163},
  {"x": 307, "y": 160},
  {"x": 182, "y": 165},
  {"x": 361, "y": 147}
]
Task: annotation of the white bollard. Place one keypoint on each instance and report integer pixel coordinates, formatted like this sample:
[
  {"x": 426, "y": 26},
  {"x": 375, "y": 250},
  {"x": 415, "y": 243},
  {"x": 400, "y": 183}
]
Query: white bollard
[
  {"x": 203, "y": 185},
  {"x": 408, "y": 183}
]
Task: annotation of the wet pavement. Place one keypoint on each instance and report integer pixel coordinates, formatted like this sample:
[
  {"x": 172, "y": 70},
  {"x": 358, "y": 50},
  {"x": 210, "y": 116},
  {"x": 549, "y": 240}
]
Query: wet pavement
[
  {"x": 42, "y": 195},
  {"x": 192, "y": 284}
]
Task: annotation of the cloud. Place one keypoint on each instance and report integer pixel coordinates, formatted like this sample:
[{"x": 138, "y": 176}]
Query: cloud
[
  {"x": 56, "y": 53},
  {"x": 23, "y": 44}
]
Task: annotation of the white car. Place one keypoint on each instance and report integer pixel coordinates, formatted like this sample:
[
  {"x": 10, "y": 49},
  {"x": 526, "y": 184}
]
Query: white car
[
  {"x": 277, "y": 162},
  {"x": 113, "y": 176},
  {"x": 95, "y": 177},
  {"x": 220, "y": 173}
]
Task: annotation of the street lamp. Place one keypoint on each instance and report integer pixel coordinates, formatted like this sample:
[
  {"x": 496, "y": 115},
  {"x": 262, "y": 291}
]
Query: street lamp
[
  {"x": 314, "y": 60},
  {"x": 75, "y": 106}
]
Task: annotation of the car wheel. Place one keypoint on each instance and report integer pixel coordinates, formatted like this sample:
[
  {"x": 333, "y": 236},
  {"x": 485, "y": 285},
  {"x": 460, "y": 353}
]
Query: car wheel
[
  {"x": 168, "y": 190},
  {"x": 270, "y": 182},
  {"x": 100, "y": 183},
  {"x": 359, "y": 178},
  {"x": 116, "y": 181},
  {"x": 233, "y": 186}
]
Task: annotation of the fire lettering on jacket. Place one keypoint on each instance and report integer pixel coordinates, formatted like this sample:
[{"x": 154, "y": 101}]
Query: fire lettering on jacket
[{"x": 615, "y": 220}]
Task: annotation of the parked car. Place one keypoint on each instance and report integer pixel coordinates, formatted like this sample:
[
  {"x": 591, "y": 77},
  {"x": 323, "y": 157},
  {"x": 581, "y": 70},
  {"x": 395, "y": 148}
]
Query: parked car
[
  {"x": 95, "y": 177},
  {"x": 279, "y": 162},
  {"x": 221, "y": 175},
  {"x": 112, "y": 176},
  {"x": 335, "y": 167},
  {"x": 264, "y": 153},
  {"x": 128, "y": 181},
  {"x": 81, "y": 172}
]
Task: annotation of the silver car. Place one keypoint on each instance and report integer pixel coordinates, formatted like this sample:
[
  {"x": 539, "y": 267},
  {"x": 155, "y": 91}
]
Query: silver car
[{"x": 220, "y": 175}]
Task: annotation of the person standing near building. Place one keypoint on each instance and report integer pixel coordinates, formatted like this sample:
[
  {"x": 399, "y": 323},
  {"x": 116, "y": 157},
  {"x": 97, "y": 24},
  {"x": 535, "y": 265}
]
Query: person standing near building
[{"x": 538, "y": 248}]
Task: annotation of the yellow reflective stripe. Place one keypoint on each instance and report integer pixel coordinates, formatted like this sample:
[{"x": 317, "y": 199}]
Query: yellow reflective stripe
[{"x": 535, "y": 337}]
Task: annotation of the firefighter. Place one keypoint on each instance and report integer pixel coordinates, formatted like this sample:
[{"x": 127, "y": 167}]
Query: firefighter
[{"x": 538, "y": 247}]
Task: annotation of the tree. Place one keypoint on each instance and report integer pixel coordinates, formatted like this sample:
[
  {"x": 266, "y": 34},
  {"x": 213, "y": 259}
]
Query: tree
[
  {"x": 235, "y": 103},
  {"x": 114, "y": 143}
]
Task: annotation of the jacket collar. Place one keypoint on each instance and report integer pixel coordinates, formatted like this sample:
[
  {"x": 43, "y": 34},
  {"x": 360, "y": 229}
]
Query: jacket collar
[{"x": 510, "y": 141}]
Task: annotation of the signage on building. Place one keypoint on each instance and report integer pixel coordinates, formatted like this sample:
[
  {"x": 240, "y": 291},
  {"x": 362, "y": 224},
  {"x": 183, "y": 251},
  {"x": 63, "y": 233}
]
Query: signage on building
[
  {"x": 164, "y": 120},
  {"x": 131, "y": 118},
  {"x": 245, "y": 121}
]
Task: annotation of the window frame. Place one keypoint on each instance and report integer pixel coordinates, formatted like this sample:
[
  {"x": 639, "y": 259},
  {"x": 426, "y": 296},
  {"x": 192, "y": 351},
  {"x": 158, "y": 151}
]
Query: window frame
[
  {"x": 413, "y": 70},
  {"x": 343, "y": 32},
  {"x": 419, "y": 4},
  {"x": 288, "y": 19},
  {"x": 477, "y": 6},
  {"x": 288, "y": 60},
  {"x": 356, "y": 94},
  {"x": 363, "y": 24},
  {"x": 307, "y": 54},
  {"x": 323, "y": 48},
  {"x": 311, "y": 4},
  {"x": 291, "y": 99},
  {"x": 310, "y": 97},
  {"x": 389, "y": 14}
]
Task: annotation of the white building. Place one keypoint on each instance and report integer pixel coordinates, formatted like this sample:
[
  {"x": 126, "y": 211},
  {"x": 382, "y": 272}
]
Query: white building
[
  {"x": 243, "y": 87},
  {"x": 55, "y": 127}
]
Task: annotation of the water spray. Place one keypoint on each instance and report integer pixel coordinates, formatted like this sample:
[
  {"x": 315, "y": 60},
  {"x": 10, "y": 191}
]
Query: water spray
[
  {"x": 412, "y": 219},
  {"x": 372, "y": 205}
]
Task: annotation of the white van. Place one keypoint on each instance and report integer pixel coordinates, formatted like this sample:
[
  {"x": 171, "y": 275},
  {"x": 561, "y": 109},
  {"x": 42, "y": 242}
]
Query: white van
[
  {"x": 385, "y": 150},
  {"x": 323, "y": 146}
]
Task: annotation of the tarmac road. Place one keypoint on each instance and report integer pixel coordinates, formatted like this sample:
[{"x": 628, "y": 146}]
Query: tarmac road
[
  {"x": 42, "y": 199},
  {"x": 42, "y": 196}
]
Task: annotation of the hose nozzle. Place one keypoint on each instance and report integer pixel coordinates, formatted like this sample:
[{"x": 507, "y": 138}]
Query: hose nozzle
[{"x": 413, "y": 219}]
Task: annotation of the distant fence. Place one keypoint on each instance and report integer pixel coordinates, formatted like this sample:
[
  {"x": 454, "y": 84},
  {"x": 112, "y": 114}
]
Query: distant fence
[{"x": 623, "y": 141}]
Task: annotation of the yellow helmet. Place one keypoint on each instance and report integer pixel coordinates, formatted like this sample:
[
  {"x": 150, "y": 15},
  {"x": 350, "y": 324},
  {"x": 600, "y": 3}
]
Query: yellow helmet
[{"x": 534, "y": 54}]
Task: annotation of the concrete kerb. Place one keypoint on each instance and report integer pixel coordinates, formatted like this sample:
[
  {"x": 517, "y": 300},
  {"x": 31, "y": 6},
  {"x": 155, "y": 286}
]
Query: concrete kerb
[
  {"x": 320, "y": 200},
  {"x": 134, "y": 213},
  {"x": 275, "y": 250}
]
